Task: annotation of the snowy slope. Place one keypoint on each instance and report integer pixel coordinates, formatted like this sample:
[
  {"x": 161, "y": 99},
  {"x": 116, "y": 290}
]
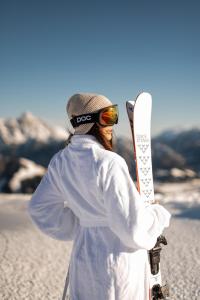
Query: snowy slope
[{"x": 34, "y": 266}]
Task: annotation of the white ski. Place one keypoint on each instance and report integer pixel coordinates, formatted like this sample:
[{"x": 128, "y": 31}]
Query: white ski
[{"x": 139, "y": 114}]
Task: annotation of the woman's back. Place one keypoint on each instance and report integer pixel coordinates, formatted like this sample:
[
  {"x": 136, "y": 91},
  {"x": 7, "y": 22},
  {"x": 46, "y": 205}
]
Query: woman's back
[
  {"x": 88, "y": 196},
  {"x": 100, "y": 261}
]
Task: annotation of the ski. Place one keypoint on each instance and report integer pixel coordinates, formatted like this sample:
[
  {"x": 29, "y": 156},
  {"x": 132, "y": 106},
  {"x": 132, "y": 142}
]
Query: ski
[{"x": 139, "y": 115}]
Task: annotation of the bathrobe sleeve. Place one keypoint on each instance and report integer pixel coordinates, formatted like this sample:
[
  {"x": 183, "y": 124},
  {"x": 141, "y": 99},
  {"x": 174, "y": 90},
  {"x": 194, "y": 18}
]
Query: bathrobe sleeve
[
  {"x": 137, "y": 225},
  {"x": 48, "y": 207}
]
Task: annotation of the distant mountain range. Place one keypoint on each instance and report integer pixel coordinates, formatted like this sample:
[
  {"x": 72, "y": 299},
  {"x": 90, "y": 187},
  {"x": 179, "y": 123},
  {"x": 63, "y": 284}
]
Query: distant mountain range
[
  {"x": 30, "y": 137},
  {"x": 173, "y": 159},
  {"x": 185, "y": 144},
  {"x": 28, "y": 141},
  {"x": 28, "y": 128}
]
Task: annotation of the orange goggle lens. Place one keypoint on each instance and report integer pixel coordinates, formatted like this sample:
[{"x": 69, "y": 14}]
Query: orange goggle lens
[{"x": 109, "y": 116}]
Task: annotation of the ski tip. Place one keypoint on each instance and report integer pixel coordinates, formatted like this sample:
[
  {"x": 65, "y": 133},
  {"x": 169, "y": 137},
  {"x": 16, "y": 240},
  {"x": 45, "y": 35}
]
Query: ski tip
[
  {"x": 144, "y": 95},
  {"x": 130, "y": 105},
  {"x": 130, "y": 102}
]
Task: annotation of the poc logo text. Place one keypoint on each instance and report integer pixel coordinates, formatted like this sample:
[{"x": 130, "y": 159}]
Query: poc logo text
[{"x": 83, "y": 118}]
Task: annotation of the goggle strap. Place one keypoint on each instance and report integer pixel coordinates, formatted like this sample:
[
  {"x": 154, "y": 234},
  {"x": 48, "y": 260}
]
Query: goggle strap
[{"x": 84, "y": 119}]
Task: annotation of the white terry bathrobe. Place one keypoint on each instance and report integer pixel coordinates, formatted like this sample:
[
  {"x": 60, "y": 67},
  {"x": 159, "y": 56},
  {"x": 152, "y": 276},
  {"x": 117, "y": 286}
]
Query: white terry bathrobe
[{"x": 87, "y": 196}]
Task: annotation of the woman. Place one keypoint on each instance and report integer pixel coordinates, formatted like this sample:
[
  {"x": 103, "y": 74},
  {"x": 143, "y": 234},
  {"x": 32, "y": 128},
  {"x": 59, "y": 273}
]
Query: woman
[{"x": 87, "y": 196}]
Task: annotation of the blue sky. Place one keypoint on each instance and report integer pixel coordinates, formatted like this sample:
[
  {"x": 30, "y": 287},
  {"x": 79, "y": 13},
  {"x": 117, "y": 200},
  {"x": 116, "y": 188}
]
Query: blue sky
[{"x": 53, "y": 49}]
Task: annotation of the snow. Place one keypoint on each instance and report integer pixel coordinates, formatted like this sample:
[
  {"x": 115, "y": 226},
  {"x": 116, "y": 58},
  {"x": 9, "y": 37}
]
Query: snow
[
  {"x": 29, "y": 127},
  {"x": 175, "y": 172},
  {"x": 28, "y": 170},
  {"x": 33, "y": 266},
  {"x": 188, "y": 192}
]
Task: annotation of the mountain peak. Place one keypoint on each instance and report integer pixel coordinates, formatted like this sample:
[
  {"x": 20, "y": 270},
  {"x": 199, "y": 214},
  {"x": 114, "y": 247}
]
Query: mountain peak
[
  {"x": 27, "y": 115},
  {"x": 28, "y": 118},
  {"x": 28, "y": 127}
]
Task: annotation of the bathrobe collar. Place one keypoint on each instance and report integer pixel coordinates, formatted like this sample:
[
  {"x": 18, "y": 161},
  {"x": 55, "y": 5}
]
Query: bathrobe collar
[{"x": 84, "y": 140}]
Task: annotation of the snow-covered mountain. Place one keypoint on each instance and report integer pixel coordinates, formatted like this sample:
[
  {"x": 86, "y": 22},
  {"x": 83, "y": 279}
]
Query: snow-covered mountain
[
  {"x": 176, "y": 153},
  {"x": 185, "y": 143},
  {"x": 31, "y": 138},
  {"x": 28, "y": 128},
  {"x": 19, "y": 175}
]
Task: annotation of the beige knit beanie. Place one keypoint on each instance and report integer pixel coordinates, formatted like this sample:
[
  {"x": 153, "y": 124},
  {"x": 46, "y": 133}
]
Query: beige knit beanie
[{"x": 80, "y": 104}]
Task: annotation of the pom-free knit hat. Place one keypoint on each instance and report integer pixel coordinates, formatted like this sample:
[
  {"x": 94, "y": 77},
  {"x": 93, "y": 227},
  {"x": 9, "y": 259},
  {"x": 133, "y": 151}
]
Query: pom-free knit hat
[{"x": 80, "y": 104}]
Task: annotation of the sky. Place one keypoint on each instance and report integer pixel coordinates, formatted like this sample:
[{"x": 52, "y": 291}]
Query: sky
[{"x": 50, "y": 50}]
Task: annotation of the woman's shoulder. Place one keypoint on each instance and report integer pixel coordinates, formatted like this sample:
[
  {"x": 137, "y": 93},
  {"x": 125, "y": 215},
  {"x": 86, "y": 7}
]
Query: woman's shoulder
[
  {"x": 108, "y": 158},
  {"x": 56, "y": 159}
]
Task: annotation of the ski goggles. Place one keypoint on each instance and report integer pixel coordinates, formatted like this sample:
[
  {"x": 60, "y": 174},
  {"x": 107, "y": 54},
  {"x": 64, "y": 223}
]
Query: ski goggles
[{"x": 107, "y": 116}]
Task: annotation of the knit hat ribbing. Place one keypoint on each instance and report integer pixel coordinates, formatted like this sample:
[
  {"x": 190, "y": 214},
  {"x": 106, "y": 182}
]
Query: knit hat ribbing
[{"x": 80, "y": 104}]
